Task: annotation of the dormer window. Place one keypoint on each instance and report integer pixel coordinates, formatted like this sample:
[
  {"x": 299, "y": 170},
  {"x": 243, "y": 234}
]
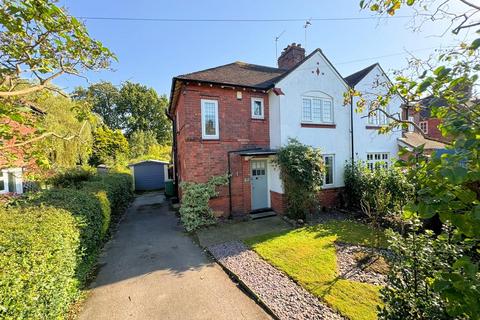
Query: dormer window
[
  {"x": 257, "y": 108},
  {"x": 317, "y": 110}
]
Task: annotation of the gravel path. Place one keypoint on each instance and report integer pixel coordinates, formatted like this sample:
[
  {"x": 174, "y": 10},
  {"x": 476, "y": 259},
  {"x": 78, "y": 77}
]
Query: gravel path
[
  {"x": 348, "y": 266},
  {"x": 283, "y": 296}
]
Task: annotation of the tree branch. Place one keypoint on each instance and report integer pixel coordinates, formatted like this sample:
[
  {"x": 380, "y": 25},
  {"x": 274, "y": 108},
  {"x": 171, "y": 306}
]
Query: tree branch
[{"x": 43, "y": 84}]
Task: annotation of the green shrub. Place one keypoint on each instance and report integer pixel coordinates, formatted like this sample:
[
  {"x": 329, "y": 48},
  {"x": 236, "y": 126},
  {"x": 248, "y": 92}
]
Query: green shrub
[
  {"x": 416, "y": 258},
  {"x": 194, "y": 211},
  {"x": 301, "y": 170},
  {"x": 72, "y": 177},
  {"x": 363, "y": 185},
  {"x": 118, "y": 187},
  {"x": 91, "y": 215},
  {"x": 38, "y": 259},
  {"x": 49, "y": 242}
]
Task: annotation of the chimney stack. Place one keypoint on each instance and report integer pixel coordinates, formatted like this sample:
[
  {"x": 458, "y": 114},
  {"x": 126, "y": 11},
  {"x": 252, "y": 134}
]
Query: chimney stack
[{"x": 290, "y": 56}]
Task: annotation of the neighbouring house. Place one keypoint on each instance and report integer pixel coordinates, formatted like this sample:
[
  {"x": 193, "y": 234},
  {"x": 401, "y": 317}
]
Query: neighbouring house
[
  {"x": 427, "y": 134},
  {"x": 11, "y": 180},
  {"x": 234, "y": 117}
]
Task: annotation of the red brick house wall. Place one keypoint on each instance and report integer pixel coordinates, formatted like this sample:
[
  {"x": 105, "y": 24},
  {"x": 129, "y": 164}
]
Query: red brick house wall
[{"x": 199, "y": 159}]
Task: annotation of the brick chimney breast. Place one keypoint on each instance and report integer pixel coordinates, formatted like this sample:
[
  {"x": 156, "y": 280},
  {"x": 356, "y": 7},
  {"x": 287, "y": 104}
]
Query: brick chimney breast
[{"x": 291, "y": 55}]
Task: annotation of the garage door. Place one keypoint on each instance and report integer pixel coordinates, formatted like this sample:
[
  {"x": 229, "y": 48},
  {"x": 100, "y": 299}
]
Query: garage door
[{"x": 149, "y": 176}]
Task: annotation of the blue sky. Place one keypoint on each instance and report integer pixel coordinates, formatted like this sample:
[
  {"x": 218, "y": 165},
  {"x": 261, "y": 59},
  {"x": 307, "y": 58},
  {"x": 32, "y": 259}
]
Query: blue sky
[{"x": 153, "y": 52}]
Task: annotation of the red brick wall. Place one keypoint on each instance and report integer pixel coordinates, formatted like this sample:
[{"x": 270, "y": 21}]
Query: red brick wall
[
  {"x": 330, "y": 197},
  {"x": 278, "y": 203},
  {"x": 198, "y": 159}
]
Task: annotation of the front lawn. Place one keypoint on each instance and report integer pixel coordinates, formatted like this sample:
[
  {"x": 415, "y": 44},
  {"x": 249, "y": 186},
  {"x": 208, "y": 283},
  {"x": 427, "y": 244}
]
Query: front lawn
[{"x": 308, "y": 255}]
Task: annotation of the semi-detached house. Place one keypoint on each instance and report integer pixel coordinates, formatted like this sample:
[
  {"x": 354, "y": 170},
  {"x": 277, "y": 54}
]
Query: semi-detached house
[{"x": 234, "y": 117}]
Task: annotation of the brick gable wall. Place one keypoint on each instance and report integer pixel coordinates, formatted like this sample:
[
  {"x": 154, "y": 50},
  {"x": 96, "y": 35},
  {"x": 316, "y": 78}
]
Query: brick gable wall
[{"x": 200, "y": 159}]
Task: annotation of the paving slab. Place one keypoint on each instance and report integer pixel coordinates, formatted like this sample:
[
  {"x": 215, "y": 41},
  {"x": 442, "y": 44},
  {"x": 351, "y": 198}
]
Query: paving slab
[{"x": 151, "y": 269}]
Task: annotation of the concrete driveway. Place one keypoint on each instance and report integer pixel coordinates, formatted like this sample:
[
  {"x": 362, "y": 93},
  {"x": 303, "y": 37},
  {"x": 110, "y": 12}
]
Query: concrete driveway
[{"x": 152, "y": 270}]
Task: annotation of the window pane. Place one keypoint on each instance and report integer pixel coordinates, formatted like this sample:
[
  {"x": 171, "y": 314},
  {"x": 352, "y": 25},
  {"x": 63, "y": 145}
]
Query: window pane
[
  {"x": 257, "y": 108},
  {"x": 328, "y": 161},
  {"x": 2, "y": 184},
  {"x": 210, "y": 118},
  {"x": 327, "y": 111},
  {"x": 317, "y": 110},
  {"x": 307, "y": 109}
]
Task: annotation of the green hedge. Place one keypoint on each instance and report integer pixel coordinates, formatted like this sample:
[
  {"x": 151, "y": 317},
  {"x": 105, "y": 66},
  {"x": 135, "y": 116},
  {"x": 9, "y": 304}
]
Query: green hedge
[
  {"x": 86, "y": 208},
  {"x": 38, "y": 261}
]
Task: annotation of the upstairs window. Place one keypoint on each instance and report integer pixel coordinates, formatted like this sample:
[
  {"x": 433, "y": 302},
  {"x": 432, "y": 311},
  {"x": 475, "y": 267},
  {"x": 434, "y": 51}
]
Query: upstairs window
[
  {"x": 424, "y": 126},
  {"x": 329, "y": 163},
  {"x": 317, "y": 110},
  {"x": 257, "y": 108},
  {"x": 377, "y": 159},
  {"x": 210, "y": 119},
  {"x": 378, "y": 118}
]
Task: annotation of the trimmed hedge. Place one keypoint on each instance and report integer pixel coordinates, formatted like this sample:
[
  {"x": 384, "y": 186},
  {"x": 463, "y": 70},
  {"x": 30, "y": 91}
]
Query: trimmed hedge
[
  {"x": 38, "y": 261},
  {"x": 76, "y": 217}
]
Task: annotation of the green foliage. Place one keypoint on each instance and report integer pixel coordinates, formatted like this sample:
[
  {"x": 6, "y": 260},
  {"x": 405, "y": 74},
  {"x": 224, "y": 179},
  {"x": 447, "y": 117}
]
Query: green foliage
[
  {"x": 49, "y": 242},
  {"x": 365, "y": 187},
  {"x": 417, "y": 259},
  {"x": 38, "y": 259},
  {"x": 72, "y": 177},
  {"x": 141, "y": 142},
  {"x": 194, "y": 210},
  {"x": 302, "y": 170},
  {"x": 144, "y": 110},
  {"x": 103, "y": 98},
  {"x": 109, "y": 147},
  {"x": 41, "y": 40}
]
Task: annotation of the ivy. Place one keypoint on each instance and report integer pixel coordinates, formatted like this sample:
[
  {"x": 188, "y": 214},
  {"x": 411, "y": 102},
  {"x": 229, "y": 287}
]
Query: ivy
[{"x": 301, "y": 170}]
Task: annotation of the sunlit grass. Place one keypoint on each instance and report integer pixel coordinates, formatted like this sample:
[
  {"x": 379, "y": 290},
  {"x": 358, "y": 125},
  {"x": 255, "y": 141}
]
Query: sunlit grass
[{"x": 308, "y": 255}]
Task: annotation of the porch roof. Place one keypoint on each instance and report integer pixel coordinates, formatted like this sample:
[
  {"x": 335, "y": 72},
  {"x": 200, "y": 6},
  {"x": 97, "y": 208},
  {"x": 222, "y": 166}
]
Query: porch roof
[{"x": 258, "y": 152}]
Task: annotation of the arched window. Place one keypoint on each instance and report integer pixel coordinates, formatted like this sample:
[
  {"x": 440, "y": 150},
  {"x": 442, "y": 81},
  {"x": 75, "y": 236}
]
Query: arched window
[{"x": 317, "y": 108}]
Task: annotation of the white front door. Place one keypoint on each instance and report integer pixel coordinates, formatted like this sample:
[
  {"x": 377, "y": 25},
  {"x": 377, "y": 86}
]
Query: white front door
[{"x": 259, "y": 184}]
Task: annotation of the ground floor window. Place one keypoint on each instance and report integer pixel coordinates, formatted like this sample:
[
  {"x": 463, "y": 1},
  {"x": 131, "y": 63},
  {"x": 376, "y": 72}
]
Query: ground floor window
[
  {"x": 328, "y": 160},
  {"x": 377, "y": 159}
]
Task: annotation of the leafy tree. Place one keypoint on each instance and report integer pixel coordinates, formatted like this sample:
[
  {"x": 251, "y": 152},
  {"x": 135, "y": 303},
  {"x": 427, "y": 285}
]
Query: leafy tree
[
  {"x": 447, "y": 185},
  {"x": 103, "y": 97},
  {"x": 141, "y": 142},
  {"x": 40, "y": 40},
  {"x": 110, "y": 147},
  {"x": 142, "y": 109}
]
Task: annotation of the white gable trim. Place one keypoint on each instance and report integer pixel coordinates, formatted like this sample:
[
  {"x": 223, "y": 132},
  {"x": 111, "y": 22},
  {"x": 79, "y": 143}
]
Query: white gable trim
[{"x": 319, "y": 54}]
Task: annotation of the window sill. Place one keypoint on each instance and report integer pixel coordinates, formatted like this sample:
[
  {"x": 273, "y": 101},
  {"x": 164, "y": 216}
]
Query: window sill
[
  {"x": 319, "y": 125},
  {"x": 210, "y": 140},
  {"x": 258, "y": 119},
  {"x": 373, "y": 127}
]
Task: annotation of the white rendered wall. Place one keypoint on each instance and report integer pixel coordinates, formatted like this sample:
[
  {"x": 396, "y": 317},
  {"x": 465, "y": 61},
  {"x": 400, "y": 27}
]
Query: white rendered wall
[
  {"x": 305, "y": 81},
  {"x": 368, "y": 140}
]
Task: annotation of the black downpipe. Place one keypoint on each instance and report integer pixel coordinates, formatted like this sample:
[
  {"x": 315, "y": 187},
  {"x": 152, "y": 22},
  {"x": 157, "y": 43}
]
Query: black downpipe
[
  {"x": 174, "y": 150},
  {"x": 351, "y": 128},
  {"x": 230, "y": 177}
]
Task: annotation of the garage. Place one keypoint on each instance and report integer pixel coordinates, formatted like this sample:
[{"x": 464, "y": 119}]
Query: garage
[{"x": 149, "y": 174}]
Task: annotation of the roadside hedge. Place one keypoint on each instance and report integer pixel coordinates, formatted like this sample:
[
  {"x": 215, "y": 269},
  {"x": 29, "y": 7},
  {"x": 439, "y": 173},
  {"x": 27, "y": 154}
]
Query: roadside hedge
[
  {"x": 38, "y": 261},
  {"x": 49, "y": 242}
]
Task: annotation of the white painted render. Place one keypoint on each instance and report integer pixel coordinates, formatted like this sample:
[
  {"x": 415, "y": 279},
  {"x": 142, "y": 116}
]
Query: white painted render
[
  {"x": 370, "y": 140},
  {"x": 304, "y": 81},
  {"x": 286, "y": 117}
]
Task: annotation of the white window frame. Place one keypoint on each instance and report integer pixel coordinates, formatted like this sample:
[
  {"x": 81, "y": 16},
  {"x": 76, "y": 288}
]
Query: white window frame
[
  {"x": 333, "y": 171},
  {"x": 378, "y": 119},
  {"x": 411, "y": 128},
  {"x": 425, "y": 130},
  {"x": 205, "y": 136},
  {"x": 4, "y": 179},
  {"x": 322, "y": 100},
  {"x": 262, "y": 116},
  {"x": 378, "y": 157}
]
